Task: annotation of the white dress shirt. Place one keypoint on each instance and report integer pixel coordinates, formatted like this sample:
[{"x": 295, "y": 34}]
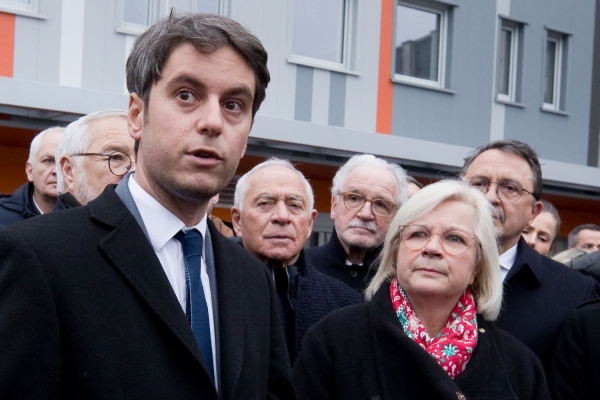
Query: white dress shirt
[
  {"x": 507, "y": 259},
  {"x": 161, "y": 226}
]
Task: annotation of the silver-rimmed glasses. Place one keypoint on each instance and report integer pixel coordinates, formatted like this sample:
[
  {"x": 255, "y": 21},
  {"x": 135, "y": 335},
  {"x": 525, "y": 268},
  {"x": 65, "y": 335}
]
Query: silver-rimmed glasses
[
  {"x": 119, "y": 163},
  {"x": 416, "y": 237},
  {"x": 507, "y": 190},
  {"x": 380, "y": 207}
]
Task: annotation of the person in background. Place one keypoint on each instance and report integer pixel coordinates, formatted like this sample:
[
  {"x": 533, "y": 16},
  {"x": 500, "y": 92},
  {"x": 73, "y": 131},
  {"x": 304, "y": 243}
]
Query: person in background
[
  {"x": 273, "y": 216},
  {"x": 413, "y": 186},
  {"x": 585, "y": 237},
  {"x": 366, "y": 193},
  {"x": 426, "y": 331},
  {"x": 38, "y": 196},
  {"x": 221, "y": 226},
  {"x": 96, "y": 150},
  {"x": 539, "y": 293},
  {"x": 540, "y": 234},
  {"x": 567, "y": 256}
]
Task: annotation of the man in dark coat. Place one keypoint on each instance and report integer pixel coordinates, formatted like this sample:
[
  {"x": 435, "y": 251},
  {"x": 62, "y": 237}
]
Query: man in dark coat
[
  {"x": 38, "y": 196},
  {"x": 111, "y": 300},
  {"x": 273, "y": 217},
  {"x": 576, "y": 362},
  {"x": 588, "y": 264},
  {"x": 539, "y": 293},
  {"x": 365, "y": 196}
]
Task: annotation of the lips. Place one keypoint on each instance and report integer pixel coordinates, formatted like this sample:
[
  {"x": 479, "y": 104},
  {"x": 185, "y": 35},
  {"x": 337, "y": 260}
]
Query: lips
[{"x": 205, "y": 153}]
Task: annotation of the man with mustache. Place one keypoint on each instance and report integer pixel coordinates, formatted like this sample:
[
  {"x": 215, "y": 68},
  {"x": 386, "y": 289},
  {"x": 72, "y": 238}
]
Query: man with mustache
[
  {"x": 38, "y": 196},
  {"x": 273, "y": 217},
  {"x": 539, "y": 293},
  {"x": 366, "y": 193}
]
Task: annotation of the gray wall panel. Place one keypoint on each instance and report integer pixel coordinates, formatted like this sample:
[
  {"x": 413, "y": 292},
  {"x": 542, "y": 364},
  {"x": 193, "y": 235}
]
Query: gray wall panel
[
  {"x": 337, "y": 99},
  {"x": 26, "y": 48},
  {"x": 555, "y": 137},
  {"x": 304, "y": 87}
]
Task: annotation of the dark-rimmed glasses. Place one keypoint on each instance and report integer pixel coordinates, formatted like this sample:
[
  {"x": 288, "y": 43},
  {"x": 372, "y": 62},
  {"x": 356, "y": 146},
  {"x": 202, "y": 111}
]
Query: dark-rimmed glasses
[
  {"x": 507, "y": 190},
  {"x": 119, "y": 163},
  {"x": 380, "y": 207},
  {"x": 416, "y": 237}
]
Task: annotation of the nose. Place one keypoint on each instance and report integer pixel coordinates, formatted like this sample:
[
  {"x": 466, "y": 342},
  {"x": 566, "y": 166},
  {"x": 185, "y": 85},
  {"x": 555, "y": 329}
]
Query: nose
[
  {"x": 433, "y": 248},
  {"x": 366, "y": 212},
  {"x": 280, "y": 215},
  {"x": 492, "y": 194},
  {"x": 211, "y": 118}
]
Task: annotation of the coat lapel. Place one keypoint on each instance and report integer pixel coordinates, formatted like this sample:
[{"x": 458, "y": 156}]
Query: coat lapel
[
  {"x": 231, "y": 324},
  {"x": 128, "y": 249}
]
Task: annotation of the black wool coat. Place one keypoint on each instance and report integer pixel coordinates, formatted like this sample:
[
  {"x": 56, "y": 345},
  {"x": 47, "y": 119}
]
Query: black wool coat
[
  {"x": 576, "y": 364},
  {"x": 87, "y": 312},
  {"x": 361, "y": 352}
]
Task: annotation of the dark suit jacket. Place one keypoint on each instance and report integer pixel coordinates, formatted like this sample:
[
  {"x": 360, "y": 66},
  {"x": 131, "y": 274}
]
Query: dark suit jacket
[
  {"x": 86, "y": 312},
  {"x": 576, "y": 363},
  {"x": 361, "y": 352},
  {"x": 539, "y": 295}
]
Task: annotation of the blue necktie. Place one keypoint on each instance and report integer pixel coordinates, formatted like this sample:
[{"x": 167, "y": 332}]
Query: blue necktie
[{"x": 197, "y": 309}]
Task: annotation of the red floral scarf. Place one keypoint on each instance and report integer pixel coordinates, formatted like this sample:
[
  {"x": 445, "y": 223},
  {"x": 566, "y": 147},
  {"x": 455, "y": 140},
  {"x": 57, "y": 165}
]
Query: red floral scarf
[{"x": 453, "y": 346}]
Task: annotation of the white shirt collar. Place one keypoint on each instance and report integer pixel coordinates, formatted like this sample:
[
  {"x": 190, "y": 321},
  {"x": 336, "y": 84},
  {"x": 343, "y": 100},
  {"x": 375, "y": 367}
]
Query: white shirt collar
[
  {"x": 161, "y": 224},
  {"x": 507, "y": 259}
]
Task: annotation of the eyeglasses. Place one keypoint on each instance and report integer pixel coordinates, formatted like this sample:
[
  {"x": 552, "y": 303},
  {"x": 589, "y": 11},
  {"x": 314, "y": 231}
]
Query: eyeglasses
[
  {"x": 416, "y": 237},
  {"x": 380, "y": 207},
  {"x": 507, "y": 190},
  {"x": 119, "y": 163}
]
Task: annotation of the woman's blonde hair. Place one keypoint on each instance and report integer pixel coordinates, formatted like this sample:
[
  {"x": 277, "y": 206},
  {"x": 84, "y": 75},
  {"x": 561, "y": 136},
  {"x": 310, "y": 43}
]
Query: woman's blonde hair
[{"x": 487, "y": 286}]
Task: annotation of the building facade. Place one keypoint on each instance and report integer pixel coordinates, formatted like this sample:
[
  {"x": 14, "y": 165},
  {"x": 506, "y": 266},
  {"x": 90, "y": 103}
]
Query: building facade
[{"x": 417, "y": 82}]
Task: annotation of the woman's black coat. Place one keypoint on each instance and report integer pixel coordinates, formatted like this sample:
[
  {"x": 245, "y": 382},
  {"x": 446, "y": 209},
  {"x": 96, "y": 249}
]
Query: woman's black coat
[{"x": 361, "y": 352}]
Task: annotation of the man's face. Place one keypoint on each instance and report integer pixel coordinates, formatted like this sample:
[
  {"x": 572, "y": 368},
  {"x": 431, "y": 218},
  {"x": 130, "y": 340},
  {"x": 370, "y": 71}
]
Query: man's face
[
  {"x": 361, "y": 228},
  {"x": 275, "y": 220},
  {"x": 196, "y": 127},
  {"x": 541, "y": 233},
  {"x": 42, "y": 172},
  {"x": 588, "y": 240},
  {"x": 108, "y": 135},
  {"x": 498, "y": 166}
]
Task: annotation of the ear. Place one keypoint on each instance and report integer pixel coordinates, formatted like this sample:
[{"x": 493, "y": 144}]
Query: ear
[
  {"x": 68, "y": 173},
  {"x": 29, "y": 171},
  {"x": 135, "y": 116},
  {"x": 236, "y": 221},
  {"x": 333, "y": 205},
  {"x": 535, "y": 211},
  {"x": 313, "y": 217}
]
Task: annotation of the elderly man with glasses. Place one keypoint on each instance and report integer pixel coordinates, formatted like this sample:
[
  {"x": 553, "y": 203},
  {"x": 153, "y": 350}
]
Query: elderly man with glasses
[
  {"x": 366, "y": 193},
  {"x": 95, "y": 151},
  {"x": 539, "y": 293}
]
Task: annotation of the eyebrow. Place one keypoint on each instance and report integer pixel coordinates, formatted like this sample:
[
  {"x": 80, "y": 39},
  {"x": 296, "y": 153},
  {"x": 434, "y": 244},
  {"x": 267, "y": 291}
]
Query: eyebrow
[
  {"x": 272, "y": 196},
  {"x": 190, "y": 80}
]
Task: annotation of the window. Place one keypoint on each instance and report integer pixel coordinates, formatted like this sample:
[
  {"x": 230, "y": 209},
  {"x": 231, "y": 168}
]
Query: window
[
  {"x": 21, "y": 7},
  {"x": 420, "y": 44},
  {"x": 553, "y": 70},
  {"x": 321, "y": 33},
  {"x": 508, "y": 59},
  {"x": 211, "y": 6},
  {"x": 134, "y": 16}
]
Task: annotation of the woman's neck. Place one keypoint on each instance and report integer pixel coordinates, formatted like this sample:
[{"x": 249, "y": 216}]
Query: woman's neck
[{"x": 432, "y": 313}]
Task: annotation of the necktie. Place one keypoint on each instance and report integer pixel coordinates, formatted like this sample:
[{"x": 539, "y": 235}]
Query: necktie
[{"x": 197, "y": 309}]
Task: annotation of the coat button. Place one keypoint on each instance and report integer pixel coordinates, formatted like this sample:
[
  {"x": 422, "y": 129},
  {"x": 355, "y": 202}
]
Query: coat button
[
  {"x": 460, "y": 396},
  {"x": 353, "y": 273}
]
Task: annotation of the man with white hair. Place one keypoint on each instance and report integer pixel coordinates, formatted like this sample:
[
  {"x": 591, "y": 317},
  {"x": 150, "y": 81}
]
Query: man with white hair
[
  {"x": 366, "y": 193},
  {"x": 38, "y": 196},
  {"x": 273, "y": 217},
  {"x": 95, "y": 151}
]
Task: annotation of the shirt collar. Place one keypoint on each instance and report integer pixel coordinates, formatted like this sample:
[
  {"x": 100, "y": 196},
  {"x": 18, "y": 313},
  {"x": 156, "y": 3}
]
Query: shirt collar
[
  {"x": 507, "y": 259},
  {"x": 160, "y": 223}
]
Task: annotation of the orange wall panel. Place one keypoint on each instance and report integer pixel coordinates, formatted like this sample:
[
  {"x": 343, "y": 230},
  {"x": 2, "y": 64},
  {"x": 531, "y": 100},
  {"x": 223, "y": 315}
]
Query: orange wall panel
[
  {"x": 385, "y": 87},
  {"x": 7, "y": 44}
]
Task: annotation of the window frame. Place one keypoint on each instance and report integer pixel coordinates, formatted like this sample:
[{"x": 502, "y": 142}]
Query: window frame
[
  {"x": 559, "y": 40},
  {"x": 347, "y": 64},
  {"x": 27, "y": 10},
  {"x": 154, "y": 7},
  {"x": 442, "y": 11},
  {"x": 514, "y": 28}
]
